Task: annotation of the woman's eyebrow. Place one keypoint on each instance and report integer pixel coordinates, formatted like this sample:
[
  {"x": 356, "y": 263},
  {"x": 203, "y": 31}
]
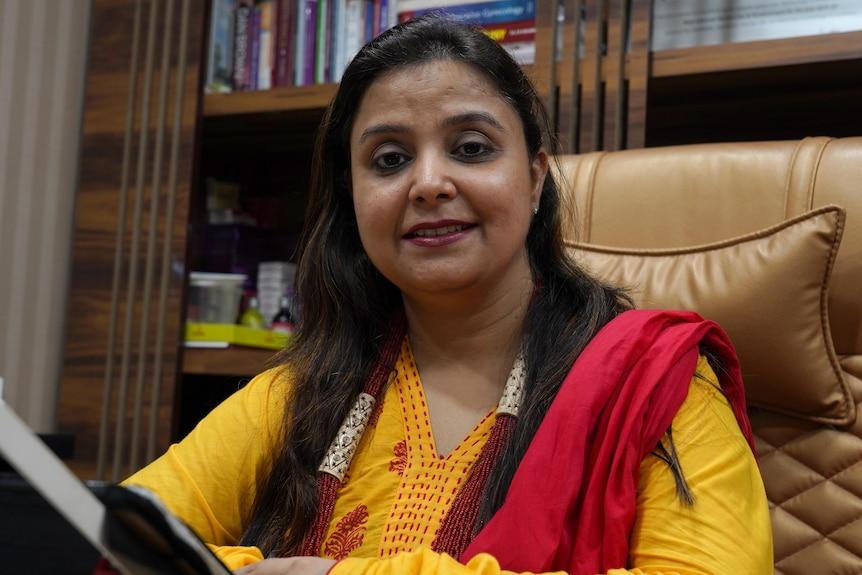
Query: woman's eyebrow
[
  {"x": 456, "y": 120},
  {"x": 471, "y": 117},
  {"x": 381, "y": 129}
]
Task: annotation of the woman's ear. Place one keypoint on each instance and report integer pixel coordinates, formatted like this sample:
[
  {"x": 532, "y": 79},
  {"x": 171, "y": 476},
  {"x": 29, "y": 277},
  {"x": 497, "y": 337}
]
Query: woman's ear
[{"x": 539, "y": 169}]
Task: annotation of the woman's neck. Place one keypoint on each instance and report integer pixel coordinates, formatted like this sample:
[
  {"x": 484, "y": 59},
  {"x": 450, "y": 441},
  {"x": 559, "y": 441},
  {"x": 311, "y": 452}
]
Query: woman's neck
[
  {"x": 464, "y": 356},
  {"x": 455, "y": 330}
]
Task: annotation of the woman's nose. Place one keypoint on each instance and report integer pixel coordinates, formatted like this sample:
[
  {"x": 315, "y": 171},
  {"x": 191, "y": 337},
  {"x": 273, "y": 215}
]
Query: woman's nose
[{"x": 432, "y": 180}]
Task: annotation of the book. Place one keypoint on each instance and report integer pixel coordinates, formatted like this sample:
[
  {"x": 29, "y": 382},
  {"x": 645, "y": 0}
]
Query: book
[
  {"x": 306, "y": 34},
  {"x": 242, "y": 17},
  {"x": 218, "y": 79},
  {"x": 338, "y": 60},
  {"x": 511, "y": 22},
  {"x": 129, "y": 526},
  {"x": 254, "y": 48},
  {"x": 354, "y": 37},
  {"x": 310, "y": 49},
  {"x": 322, "y": 41},
  {"x": 285, "y": 42},
  {"x": 266, "y": 14}
]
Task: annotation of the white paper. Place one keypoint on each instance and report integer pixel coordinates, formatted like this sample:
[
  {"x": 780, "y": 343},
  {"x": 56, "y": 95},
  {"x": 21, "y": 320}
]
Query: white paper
[{"x": 29, "y": 455}]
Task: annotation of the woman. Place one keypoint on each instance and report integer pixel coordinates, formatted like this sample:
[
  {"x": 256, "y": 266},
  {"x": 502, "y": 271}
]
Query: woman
[{"x": 478, "y": 402}]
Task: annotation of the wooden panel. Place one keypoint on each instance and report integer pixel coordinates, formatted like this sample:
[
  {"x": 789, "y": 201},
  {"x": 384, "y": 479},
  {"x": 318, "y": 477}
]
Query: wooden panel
[
  {"x": 542, "y": 72},
  {"x": 637, "y": 74},
  {"x": 591, "y": 77},
  {"x": 614, "y": 92},
  {"x": 128, "y": 252},
  {"x": 567, "y": 68}
]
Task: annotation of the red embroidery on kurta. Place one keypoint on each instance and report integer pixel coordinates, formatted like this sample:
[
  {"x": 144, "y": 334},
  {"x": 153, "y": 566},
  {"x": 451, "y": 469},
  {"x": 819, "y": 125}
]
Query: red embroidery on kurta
[
  {"x": 399, "y": 462},
  {"x": 348, "y": 535}
]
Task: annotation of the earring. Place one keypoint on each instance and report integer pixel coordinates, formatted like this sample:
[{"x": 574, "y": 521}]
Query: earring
[{"x": 535, "y": 209}]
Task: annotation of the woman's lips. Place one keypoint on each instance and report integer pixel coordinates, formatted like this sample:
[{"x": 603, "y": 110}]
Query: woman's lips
[{"x": 437, "y": 235}]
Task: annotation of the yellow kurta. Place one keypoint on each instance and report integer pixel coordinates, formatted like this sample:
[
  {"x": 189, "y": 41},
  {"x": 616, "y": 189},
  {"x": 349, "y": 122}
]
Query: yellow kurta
[{"x": 398, "y": 487}]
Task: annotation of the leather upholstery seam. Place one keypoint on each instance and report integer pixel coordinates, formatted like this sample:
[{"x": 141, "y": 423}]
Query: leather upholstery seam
[
  {"x": 823, "y": 536},
  {"x": 789, "y": 186}
]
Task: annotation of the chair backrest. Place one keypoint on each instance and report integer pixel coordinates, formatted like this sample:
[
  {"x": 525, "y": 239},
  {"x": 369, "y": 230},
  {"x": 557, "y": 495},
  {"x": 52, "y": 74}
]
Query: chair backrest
[{"x": 765, "y": 238}]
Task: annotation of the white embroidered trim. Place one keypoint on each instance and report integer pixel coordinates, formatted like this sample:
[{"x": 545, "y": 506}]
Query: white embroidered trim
[
  {"x": 513, "y": 393},
  {"x": 342, "y": 448}
]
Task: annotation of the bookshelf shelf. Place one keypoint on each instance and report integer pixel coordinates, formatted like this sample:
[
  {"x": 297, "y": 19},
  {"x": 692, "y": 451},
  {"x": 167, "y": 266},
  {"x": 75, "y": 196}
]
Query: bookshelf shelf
[
  {"x": 761, "y": 54},
  {"x": 233, "y": 360},
  {"x": 285, "y": 99}
]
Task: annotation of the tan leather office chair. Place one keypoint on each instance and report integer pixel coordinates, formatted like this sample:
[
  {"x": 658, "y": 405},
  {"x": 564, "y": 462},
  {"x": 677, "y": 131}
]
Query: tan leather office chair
[{"x": 765, "y": 238}]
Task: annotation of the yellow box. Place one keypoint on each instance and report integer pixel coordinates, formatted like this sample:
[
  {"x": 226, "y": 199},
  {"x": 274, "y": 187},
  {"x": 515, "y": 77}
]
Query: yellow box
[{"x": 218, "y": 335}]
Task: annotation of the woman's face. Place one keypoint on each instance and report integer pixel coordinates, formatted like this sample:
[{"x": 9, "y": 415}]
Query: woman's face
[{"x": 442, "y": 183}]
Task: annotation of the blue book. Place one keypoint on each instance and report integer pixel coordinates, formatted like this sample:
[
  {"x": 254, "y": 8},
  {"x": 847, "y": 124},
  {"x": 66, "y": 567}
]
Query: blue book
[
  {"x": 254, "y": 52},
  {"x": 219, "y": 61},
  {"x": 479, "y": 13}
]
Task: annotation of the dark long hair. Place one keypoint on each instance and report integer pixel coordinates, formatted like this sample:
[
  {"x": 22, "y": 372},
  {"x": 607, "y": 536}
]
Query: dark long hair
[{"x": 346, "y": 302}]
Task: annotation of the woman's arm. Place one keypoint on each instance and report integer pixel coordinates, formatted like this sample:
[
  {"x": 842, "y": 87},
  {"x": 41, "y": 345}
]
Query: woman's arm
[{"x": 209, "y": 478}]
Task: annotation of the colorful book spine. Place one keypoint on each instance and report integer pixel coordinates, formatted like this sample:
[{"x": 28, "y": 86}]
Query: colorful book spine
[
  {"x": 354, "y": 23},
  {"x": 339, "y": 31},
  {"x": 310, "y": 49},
  {"x": 299, "y": 44},
  {"x": 220, "y": 57},
  {"x": 510, "y": 22},
  {"x": 382, "y": 14},
  {"x": 322, "y": 42},
  {"x": 241, "y": 37},
  {"x": 479, "y": 13},
  {"x": 266, "y": 9},
  {"x": 254, "y": 50},
  {"x": 285, "y": 42},
  {"x": 368, "y": 32}
]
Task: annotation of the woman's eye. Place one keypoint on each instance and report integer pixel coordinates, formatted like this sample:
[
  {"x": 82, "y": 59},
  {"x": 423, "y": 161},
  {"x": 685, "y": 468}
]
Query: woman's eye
[
  {"x": 389, "y": 161},
  {"x": 473, "y": 150}
]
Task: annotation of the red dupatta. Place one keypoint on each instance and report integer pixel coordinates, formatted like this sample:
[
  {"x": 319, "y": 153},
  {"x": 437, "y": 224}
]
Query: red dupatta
[{"x": 571, "y": 503}]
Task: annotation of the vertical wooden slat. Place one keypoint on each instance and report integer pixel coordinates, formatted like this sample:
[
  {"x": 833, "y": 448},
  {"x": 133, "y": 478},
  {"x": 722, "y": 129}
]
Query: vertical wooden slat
[
  {"x": 167, "y": 248},
  {"x": 133, "y": 201},
  {"x": 543, "y": 71},
  {"x": 117, "y": 267},
  {"x": 591, "y": 78},
  {"x": 603, "y": 84},
  {"x": 151, "y": 260},
  {"x": 129, "y": 318},
  {"x": 637, "y": 73},
  {"x": 614, "y": 75},
  {"x": 568, "y": 75}
]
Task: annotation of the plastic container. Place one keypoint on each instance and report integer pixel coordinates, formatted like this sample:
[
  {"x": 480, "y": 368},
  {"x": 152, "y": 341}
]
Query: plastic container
[{"x": 214, "y": 298}]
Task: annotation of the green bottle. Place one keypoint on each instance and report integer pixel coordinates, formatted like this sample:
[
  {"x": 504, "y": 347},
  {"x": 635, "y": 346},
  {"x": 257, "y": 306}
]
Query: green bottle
[{"x": 251, "y": 316}]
